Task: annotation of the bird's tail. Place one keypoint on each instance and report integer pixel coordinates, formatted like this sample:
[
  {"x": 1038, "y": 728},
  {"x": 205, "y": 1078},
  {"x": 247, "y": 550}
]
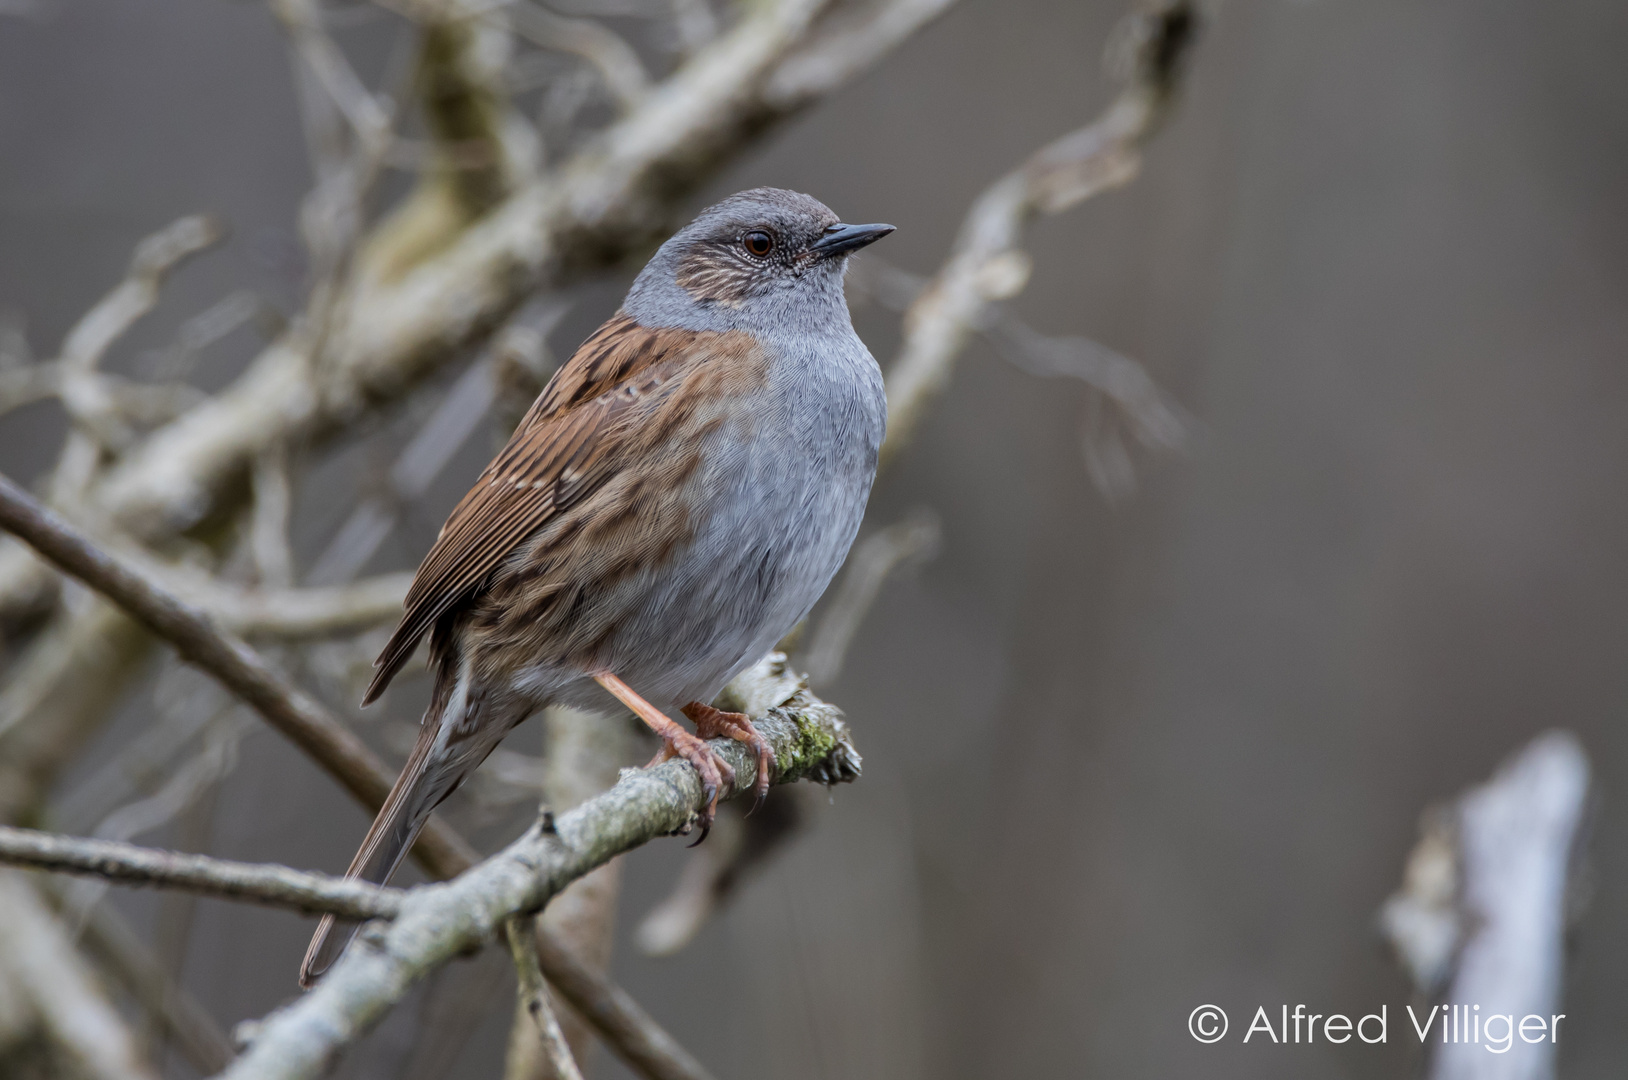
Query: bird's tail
[{"x": 417, "y": 791}]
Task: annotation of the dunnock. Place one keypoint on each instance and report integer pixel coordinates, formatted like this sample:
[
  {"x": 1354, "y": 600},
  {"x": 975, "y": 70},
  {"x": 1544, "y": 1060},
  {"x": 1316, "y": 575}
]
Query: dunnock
[{"x": 674, "y": 502}]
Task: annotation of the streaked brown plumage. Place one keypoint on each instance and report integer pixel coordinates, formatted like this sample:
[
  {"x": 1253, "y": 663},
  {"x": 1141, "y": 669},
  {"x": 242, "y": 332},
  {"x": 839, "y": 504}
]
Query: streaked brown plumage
[{"x": 626, "y": 390}]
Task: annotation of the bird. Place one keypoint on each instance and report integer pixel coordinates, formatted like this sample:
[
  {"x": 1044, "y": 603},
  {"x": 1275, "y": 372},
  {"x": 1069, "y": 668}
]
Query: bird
[{"x": 673, "y": 504}]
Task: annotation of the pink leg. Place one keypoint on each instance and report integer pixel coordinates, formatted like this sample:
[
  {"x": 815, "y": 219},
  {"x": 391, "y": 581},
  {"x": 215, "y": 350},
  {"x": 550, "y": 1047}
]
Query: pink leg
[
  {"x": 710, "y": 723},
  {"x": 715, "y": 773}
]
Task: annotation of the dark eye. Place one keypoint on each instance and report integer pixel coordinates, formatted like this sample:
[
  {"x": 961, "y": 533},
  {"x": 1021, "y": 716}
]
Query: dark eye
[{"x": 758, "y": 243}]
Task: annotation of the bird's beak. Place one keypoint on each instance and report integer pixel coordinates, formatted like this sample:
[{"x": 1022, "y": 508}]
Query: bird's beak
[{"x": 840, "y": 239}]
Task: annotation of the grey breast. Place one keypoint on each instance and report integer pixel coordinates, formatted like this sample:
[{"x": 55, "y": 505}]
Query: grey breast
[{"x": 788, "y": 490}]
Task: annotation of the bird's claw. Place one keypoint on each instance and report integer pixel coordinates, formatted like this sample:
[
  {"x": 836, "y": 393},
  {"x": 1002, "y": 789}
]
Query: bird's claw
[
  {"x": 710, "y": 723},
  {"x": 716, "y": 774}
]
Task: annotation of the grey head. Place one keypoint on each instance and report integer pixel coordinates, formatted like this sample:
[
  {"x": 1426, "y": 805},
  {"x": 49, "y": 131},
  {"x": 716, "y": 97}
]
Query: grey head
[{"x": 765, "y": 260}]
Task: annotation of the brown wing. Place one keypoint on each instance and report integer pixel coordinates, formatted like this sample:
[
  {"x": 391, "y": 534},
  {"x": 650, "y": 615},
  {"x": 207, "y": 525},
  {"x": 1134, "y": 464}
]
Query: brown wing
[{"x": 569, "y": 442}]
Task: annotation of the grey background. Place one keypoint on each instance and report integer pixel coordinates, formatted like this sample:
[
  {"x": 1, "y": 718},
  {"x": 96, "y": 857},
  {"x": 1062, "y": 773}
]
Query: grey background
[{"x": 1121, "y": 759}]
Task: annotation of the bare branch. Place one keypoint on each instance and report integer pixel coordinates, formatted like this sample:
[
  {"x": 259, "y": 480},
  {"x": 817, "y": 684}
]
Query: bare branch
[
  {"x": 268, "y": 526},
  {"x": 713, "y": 874},
  {"x": 522, "y": 933},
  {"x": 693, "y": 23},
  {"x": 986, "y": 264},
  {"x": 1155, "y": 421},
  {"x": 261, "y": 883},
  {"x": 1484, "y": 906},
  {"x": 298, "y": 613},
  {"x": 14, "y": 348},
  {"x": 853, "y": 39},
  {"x": 62, "y": 686},
  {"x": 137, "y": 294},
  {"x": 521, "y": 344},
  {"x": 81, "y": 1021},
  {"x": 238, "y": 667},
  {"x": 368, "y": 116},
  {"x": 626, "y": 1028},
  {"x": 85, "y": 397},
  {"x": 395, "y": 317},
  {"x": 186, "y": 702},
  {"x": 199, "y": 772},
  {"x": 618, "y": 65},
  {"x": 438, "y": 922},
  {"x": 27, "y": 384},
  {"x": 610, "y": 196}
]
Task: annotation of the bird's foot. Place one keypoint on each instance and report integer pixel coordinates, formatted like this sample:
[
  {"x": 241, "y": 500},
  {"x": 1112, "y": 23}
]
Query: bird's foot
[
  {"x": 716, "y": 773},
  {"x": 713, "y": 770},
  {"x": 711, "y": 723}
]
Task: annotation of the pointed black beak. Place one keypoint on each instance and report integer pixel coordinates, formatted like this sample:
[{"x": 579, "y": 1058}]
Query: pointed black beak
[{"x": 840, "y": 239}]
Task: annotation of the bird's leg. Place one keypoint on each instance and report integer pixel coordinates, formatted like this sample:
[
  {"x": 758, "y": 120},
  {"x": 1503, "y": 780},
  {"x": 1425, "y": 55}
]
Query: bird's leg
[
  {"x": 715, "y": 772},
  {"x": 711, "y": 723}
]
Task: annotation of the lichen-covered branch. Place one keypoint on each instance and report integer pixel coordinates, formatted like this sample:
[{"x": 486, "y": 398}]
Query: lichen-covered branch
[{"x": 437, "y": 923}]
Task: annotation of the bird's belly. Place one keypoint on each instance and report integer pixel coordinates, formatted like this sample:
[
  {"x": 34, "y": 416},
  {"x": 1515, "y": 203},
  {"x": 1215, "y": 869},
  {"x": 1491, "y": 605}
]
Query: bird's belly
[
  {"x": 778, "y": 515},
  {"x": 762, "y": 560}
]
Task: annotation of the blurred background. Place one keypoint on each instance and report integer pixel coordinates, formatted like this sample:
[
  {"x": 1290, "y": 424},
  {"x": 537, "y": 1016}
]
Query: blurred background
[{"x": 1123, "y": 756}]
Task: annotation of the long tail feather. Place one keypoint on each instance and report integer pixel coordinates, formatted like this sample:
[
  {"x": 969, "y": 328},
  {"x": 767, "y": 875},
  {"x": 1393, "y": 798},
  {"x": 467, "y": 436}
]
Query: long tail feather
[{"x": 399, "y": 822}]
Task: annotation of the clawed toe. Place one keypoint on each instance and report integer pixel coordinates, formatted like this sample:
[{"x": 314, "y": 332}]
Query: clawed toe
[
  {"x": 711, "y": 723},
  {"x": 716, "y": 774}
]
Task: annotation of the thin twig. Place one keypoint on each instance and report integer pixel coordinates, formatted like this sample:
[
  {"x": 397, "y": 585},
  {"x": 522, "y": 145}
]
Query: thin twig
[
  {"x": 200, "y": 772},
  {"x": 154, "y": 258},
  {"x": 585, "y": 756},
  {"x": 367, "y": 115},
  {"x": 1154, "y": 421},
  {"x": 986, "y": 265},
  {"x": 618, "y": 65},
  {"x": 86, "y": 397},
  {"x": 261, "y": 883},
  {"x": 522, "y": 934}
]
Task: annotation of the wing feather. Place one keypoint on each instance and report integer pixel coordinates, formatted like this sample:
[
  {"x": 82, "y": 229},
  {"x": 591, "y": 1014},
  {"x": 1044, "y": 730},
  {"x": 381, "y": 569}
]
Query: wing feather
[{"x": 571, "y": 440}]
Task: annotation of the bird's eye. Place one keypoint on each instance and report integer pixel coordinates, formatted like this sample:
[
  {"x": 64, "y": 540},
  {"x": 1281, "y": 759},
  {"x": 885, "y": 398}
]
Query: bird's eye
[{"x": 758, "y": 243}]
